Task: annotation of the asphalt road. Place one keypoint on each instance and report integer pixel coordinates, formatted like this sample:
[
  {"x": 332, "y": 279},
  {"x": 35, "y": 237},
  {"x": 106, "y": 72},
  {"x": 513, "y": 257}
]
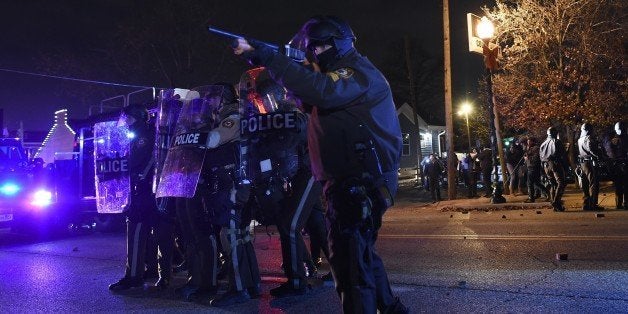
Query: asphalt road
[{"x": 438, "y": 260}]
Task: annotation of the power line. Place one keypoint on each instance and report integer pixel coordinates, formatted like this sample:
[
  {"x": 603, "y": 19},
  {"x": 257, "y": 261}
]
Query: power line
[{"x": 74, "y": 79}]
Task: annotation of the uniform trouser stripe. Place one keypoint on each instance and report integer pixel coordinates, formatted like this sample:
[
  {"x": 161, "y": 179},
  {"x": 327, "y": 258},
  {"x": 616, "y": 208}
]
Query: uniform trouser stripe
[
  {"x": 296, "y": 258},
  {"x": 214, "y": 258},
  {"x": 136, "y": 248},
  {"x": 234, "y": 255}
]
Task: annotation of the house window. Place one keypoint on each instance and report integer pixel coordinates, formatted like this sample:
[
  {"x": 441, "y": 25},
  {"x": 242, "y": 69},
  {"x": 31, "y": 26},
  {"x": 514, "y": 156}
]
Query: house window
[
  {"x": 426, "y": 138},
  {"x": 405, "y": 150}
]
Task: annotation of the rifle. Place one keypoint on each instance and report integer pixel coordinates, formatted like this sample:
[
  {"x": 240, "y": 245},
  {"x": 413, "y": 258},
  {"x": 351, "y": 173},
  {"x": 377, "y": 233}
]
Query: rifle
[{"x": 293, "y": 53}]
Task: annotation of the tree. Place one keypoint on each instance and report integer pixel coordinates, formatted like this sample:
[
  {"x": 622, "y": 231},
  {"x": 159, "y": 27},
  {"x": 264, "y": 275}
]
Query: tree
[
  {"x": 427, "y": 79},
  {"x": 563, "y": 62}
]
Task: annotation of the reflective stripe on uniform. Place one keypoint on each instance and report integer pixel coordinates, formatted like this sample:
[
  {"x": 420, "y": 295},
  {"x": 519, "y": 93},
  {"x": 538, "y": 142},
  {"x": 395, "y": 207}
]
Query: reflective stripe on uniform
[
  {"x": 135, "y": 248},
  {"x": 293, "y": 242},
  {"x": 214, "y": 257},
  {"x": 234, "y": 254}
]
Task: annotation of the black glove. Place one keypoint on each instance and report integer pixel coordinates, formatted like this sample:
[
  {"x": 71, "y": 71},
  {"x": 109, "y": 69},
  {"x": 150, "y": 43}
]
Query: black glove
[{"x": 261, "y": 56}]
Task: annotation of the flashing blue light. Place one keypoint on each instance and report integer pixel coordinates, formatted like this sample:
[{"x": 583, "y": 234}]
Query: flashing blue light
[
  {"x": 42, "y": 198},
  {"x": 9, "y": 189},
  {"x": 130, "y": 135}
]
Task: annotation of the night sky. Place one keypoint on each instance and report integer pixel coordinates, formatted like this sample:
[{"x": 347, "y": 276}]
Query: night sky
[{"x": 35, "y": 30}]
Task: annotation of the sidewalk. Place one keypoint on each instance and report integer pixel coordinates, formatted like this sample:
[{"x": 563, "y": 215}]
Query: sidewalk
[{"x": 572, "y": 199}]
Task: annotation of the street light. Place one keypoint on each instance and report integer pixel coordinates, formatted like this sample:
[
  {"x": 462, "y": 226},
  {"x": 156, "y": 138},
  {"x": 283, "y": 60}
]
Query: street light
[
  {"x": 485, "y": 31},
  {"x": 465, "y": 109}
]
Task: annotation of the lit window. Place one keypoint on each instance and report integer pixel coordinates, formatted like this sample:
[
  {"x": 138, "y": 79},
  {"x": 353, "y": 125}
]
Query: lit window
[{"x": 405, "y": 149}]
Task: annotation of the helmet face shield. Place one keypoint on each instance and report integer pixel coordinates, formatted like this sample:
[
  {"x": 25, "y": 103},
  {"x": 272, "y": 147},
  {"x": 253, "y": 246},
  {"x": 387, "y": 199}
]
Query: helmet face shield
[
  {"x": 260, "y": 94},
  {"x": 300, "y": 40},
  {"x": 203, "y": 112}
]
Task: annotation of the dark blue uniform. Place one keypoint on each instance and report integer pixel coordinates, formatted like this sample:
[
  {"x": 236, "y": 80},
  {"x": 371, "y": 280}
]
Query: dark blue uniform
[
  {"x": 141, "y": 212},
  {"x": 352, "y": 104},
  {"x": 617, "y": 149}
]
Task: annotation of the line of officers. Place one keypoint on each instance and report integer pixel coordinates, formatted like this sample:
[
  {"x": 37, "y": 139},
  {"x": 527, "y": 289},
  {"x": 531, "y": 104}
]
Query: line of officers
[
  {"x": 350, "y": 155},
  {"x": 214, "y": 224},
  {"x": 550, "y": 159}
]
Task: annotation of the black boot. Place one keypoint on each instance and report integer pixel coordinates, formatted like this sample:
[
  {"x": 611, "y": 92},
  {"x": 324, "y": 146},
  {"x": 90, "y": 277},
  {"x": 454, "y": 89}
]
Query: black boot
[
  {"x": 396, "y": 308},
  {"x": 287, "y": 290},
  {"x": 126, "y": 283},
  {"x": 231, "y": 297}
]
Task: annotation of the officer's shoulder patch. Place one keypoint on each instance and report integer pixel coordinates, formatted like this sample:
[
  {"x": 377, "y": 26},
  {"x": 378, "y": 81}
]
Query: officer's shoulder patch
[
  {"x": 342, "y": 73},
  {"x": 228, "y": 123}
]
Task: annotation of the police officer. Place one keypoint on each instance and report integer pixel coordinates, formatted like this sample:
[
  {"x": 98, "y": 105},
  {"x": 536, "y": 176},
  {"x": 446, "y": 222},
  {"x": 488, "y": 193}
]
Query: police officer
[
  {"x": 486, "y": 165},
  {"x": 142, "y": 210},
  {"x": 202, "y": 216},
  {"x": 514, "y": 156},
  {"x": 433, "y": 169},
  {"x": 617, "y": 150},
  {"x": 235, "y": 234},
  {"x": 553, "y": 157},
  {"x": 354, "y": 142},
  {"x": 533, "y": 166},
  {"x": 589, "y": 154}
]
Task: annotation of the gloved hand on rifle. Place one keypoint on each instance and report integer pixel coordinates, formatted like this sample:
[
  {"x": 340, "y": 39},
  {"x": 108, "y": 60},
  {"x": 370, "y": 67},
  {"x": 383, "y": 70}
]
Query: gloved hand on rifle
[{"x": 255, "y": 52}]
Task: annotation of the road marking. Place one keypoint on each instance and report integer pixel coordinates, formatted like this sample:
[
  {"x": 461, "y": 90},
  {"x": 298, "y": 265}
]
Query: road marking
[{"x": 501, "y": 237}]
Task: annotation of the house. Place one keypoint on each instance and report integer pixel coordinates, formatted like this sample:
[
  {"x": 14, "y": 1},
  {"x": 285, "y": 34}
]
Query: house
[
  {"x": 432, "y": 140},
  {"x": 59, "y": 143}
]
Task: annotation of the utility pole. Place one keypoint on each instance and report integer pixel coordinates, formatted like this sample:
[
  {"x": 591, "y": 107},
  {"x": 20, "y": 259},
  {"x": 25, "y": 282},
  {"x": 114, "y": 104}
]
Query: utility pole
[
  {"x": 415, "y": 112},
  {"x": 451, "y": 165}
]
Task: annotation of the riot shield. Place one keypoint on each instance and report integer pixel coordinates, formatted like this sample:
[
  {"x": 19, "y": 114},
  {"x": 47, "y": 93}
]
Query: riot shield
[
  {"x": 169, "y": 106},
  {"x": 111, "y": 152},
  {"x": 268, "y": 127},
  {"x": 184, "y": 161}
]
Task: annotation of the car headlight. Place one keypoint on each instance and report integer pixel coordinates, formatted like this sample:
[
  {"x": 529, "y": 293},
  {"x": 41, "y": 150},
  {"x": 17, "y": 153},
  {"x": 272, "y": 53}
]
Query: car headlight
[
  {"x": 9, "y": 189},
  {"x": 41, "y": 198}
]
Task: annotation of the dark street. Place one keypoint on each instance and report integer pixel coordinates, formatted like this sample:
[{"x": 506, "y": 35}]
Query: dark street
[{"x": 438, "y": 260}]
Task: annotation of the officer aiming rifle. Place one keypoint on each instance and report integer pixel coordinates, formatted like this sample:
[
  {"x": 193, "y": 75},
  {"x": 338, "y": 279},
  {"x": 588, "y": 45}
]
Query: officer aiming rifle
[{"x": 293, "y": 53}]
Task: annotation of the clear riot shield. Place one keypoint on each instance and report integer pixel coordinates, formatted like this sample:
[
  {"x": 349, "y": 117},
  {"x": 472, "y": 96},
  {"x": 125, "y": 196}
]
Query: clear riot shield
[
  {"x": 184, "y": 161},
  {"x": 111, "y": 152},
  {"x": 270, "y": 117},
  {"x": 169, "y": 106}
]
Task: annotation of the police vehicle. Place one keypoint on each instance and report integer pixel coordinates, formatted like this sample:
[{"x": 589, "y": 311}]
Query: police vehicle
[{"x": 26, "y": 190}]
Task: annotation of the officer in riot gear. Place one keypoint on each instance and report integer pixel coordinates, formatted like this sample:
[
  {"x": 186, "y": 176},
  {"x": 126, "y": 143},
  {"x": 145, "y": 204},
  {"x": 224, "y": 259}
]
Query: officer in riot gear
[
  {"x": 141, "y": 211},
  {"x": 553, "y": 157},
  {"x": 617, "y": 150},
  {"x": 235, "y": 235},
  {"x": 168, "y": 109},
  {"x": 354, "y": 143},
  {"x": 589, "y": 154},
  {"x": 212, "y": 159},
  {"x": 279, "y": 163}
]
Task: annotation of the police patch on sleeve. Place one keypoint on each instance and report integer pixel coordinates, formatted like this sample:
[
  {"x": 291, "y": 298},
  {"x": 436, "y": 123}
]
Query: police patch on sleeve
[
  {"x": 343, "y": 73},
  {"x": 228, "y": 123}
]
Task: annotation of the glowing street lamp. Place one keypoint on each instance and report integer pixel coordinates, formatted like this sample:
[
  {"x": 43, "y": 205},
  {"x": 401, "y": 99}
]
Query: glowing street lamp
[
  {"x": 465, "y": 110},
  {"x": 485, "y": 30}
]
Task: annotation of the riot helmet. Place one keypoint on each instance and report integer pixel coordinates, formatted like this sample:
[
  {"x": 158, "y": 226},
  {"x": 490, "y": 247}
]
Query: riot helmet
[
  {"x": 322, "y": 31},
  {"x": 133, "y": 114},
  {"x": 620, "y": 128},
  {"x": 552, "y": 132},
  {"x": 229, "y": 103},
  {"x": 586, "y": 129},
  {"x": 260, "y": 94},
  {"x": 169, "y": 107},
  {"x": 203, "y": 111}
]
